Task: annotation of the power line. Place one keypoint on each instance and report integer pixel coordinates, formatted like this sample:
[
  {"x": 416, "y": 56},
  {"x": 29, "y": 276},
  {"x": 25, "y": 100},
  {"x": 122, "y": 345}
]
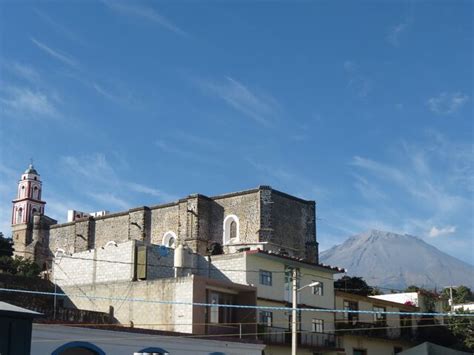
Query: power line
[
  {"x": 282, "y": 331},
  {"x": 226, "y": 324},
  {"x": 211, "y": 270},
  {"x": 206, "y": 269},
  {"x": 202, "y": 304}
]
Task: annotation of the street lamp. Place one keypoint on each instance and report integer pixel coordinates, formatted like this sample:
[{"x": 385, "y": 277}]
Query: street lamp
[{"x": 295, "y": 305}]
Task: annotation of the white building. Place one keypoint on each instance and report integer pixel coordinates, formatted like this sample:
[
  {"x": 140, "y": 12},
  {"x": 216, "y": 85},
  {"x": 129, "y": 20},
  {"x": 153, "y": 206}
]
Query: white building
[{"x": 61, "y": 340}]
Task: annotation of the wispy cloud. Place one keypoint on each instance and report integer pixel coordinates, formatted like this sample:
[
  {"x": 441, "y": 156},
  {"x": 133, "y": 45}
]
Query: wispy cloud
[
  {"x": 187, "y": 153},
  {"x": 285, "y": 178},
  {"x": 144, "y": 12},
  {"x": 27, "y": 102},
  {"x": 110, "y": 199},
  {"x": 438, "y": 232},
  {"x": 151, "y": 191},
  {"x": 426, "y": 200},
  {"x": 66, "y": 59},
  {"x": 368, "y": 190},
  {"x": 393, "y": 36},
  {"x": 99, "y": 179},
  {"x": 447, "y": 103},
  {"x": 396, "y": 32},
  {"x": 24, "y": 71},
  {"x": 59, "y": 28},
  {"x": 260, "y": 107},
  {"x": 360, "y": 83}
]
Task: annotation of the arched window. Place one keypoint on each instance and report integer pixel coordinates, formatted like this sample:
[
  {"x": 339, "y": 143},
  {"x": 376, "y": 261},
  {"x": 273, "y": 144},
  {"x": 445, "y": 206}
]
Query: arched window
[
  {"x": 169, "y": 239},
  {"x": 231, "y": 230},
  {"x": 19, "y": 215},
  {"x": 35, "y": 192}
]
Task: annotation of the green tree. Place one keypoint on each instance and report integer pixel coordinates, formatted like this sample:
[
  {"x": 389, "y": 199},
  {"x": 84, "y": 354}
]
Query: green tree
[
  {"x": 19, "y": 266},
  {"x": 463, "y": 329},
  {"x": 461, "y": 294},
  {"x": 6, "y": 246},
  {"x": 353, "y": 284},
  {"x": 26, "y": 267},
  {"x": 412, "y": 288}
]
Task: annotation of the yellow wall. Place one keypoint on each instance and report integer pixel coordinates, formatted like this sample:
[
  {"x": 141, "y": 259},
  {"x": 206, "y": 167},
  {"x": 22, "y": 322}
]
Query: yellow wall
[{"x": 373, "y": 346}]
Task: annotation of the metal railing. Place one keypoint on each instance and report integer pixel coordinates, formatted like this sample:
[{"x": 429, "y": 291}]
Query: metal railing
[{"x": 307, "y": 339}]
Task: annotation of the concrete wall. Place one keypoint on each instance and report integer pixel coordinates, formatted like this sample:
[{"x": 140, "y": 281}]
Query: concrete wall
[
  {"x": 229, "y": 267},
  {"x": 109, "y": 264},
  {"x": 279, "y": 292},
  {"x": 145, "y": 313}
]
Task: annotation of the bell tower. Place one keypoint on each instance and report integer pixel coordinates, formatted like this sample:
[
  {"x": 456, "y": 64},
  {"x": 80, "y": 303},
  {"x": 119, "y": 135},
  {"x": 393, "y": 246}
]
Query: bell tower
[
  {"x": 26, "y": 205},
  {"x": 28, "y": 199}
]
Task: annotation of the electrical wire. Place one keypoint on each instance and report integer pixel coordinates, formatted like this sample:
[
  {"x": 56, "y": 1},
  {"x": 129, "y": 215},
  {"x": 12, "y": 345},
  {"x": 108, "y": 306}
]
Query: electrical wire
[
  {"x": 286, "y": 331},
  {"x": 202, "y": 304},
  {"x": 224, "y": 325}
]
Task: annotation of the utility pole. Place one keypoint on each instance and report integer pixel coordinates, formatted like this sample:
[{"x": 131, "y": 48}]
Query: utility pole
[
  {"x": 293, "y": 311},
  {"x": 451, "y": 300}
]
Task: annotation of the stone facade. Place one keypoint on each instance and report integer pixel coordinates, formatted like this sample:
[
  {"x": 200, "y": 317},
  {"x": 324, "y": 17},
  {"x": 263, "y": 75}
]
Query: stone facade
[{"x": 263, "y": 218}]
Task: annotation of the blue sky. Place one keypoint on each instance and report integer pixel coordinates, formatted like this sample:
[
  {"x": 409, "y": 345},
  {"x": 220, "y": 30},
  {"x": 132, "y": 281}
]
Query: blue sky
[{"x": 365, "y": 107}]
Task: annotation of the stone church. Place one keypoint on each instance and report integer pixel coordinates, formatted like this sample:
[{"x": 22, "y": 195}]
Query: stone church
[{"x": 260, "y": 218}]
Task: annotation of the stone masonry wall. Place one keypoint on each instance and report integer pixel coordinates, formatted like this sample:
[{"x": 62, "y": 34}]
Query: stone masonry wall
[
  {"x": 109, "y": 228},
  {"x": 246, "y": 206},
  {"x": 265, "y": 215},
  {"x": 163, "y": 219},
  {"x": 294, "y": 225}
]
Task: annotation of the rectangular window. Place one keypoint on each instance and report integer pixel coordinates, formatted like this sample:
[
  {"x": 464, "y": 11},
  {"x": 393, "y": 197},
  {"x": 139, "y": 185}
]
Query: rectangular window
[
  {"x": 266, "y": 318},
  {"x": 265, "y": 278},
  {"x": 379, "y": 317},
  {"x": 359, "y": 352},
  {"x": 318, "y": 326},
  {"x": 319, "y": 289},
  {"x": 351, "y": 306}
]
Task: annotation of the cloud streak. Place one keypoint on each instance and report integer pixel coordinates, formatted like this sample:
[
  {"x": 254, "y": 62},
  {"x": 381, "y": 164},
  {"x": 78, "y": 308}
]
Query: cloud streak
[
  {"x": 146, "y": 13},
  {"x": 56, "y": 54},
  {"x": 260, "y": 107},
  {"x": 94, "y": 175}
]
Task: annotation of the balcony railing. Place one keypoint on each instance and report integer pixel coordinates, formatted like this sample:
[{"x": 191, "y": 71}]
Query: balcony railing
[
  {"x": 306, "y": 339},
  {"x": 376, "y": 329}
]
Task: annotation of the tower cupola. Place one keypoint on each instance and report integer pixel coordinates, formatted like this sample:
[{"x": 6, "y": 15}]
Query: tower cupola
[{"x": 28, "y": 199}]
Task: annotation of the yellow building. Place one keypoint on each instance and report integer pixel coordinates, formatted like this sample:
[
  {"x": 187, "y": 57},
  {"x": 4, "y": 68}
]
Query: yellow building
[{"x": 373, "y": 333}]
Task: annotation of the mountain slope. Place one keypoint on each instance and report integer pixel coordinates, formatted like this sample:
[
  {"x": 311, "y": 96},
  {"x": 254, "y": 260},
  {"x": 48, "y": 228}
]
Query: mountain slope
[{"x": 395, "y": 261}]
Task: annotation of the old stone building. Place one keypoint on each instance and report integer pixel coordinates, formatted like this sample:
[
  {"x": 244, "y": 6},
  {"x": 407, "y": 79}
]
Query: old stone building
[
  {"x": 30, "y": 227},
  {"x": 261, "y": 218}
]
